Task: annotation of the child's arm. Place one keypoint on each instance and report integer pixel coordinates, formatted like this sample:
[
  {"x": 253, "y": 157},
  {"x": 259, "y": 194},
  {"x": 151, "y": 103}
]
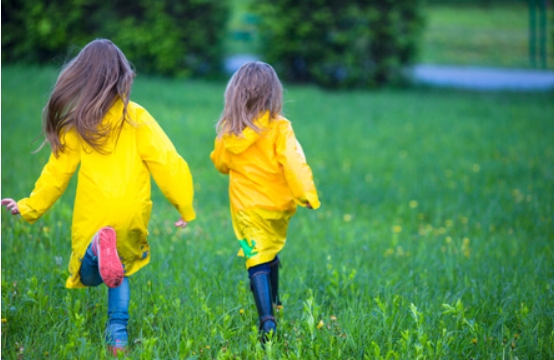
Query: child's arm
[
  {"x": 297, "y": 172},
  {"x": 53, "y": 180},
  {"x": 219, "y": 157},
  {"x": 168, "y": 168}
]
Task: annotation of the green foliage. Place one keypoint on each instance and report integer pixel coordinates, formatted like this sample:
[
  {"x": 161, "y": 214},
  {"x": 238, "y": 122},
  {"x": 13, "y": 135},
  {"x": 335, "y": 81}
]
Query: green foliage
[
  {"x": 434, "y": 239},
  {"x": 340, "y": 44},
  {"x": 169, "y": 37}
]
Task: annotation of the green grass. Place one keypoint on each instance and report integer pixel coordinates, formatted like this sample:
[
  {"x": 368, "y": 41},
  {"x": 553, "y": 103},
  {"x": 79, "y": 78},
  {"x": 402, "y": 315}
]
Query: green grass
[
  {"x": 497, "y": 35},
  {"x": 434, "y": 239}
]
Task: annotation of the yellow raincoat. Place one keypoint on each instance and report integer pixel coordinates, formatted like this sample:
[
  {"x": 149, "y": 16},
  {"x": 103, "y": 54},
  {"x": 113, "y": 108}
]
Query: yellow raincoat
[
  {"x": 268, "y": 177},
  {"x": 113, "y": 189}
]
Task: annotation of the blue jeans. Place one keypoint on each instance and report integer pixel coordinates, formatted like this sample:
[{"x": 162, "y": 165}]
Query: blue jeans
[{"x": 118, "y": 300}]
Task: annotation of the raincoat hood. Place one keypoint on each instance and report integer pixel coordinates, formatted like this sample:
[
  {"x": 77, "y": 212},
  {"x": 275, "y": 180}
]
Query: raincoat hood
[{"x": 238, "y": 144}]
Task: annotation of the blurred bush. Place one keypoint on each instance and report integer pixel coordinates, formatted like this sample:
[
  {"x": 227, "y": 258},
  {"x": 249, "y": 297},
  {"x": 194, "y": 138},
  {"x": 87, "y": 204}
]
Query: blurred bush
[
  {"x": 340, "y": 44},
  {"x": 168, "y": 37}
]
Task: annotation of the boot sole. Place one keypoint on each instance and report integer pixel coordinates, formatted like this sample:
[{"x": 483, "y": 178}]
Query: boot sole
[{"x": 109, "y": 264}]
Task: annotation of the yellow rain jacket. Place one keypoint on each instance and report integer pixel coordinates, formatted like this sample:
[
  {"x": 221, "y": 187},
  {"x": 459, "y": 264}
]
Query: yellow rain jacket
[
  {"x": 268, "y": 177},
  {"x": 113, "y": 189}
]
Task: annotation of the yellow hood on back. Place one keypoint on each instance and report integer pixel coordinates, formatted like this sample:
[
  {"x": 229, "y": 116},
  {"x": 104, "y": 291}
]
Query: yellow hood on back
[{"x": 237, "y": 144}]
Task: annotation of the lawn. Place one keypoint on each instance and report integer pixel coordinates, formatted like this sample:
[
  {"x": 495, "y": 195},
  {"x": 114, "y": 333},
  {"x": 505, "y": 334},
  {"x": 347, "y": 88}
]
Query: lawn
[
  {"x": 495, "y": 35},
  {"x": 435, "y": 239}
]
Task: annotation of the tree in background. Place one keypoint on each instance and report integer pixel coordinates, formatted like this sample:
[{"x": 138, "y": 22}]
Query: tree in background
[
  {"x": 169, "y": 37},
  {"x": 340, "y": 44}
]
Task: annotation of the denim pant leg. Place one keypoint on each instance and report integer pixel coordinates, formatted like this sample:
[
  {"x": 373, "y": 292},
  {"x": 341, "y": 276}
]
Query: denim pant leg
[
  {"x": 90, "y": 276},
  {"x": 118, "y": 314},
  {"x": 118, "y": 300}
]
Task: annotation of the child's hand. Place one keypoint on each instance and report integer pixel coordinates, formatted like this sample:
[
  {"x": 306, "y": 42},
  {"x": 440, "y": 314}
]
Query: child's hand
[
  {"x": 181, "y": 223},
  {"x": 11, "y": 205}
]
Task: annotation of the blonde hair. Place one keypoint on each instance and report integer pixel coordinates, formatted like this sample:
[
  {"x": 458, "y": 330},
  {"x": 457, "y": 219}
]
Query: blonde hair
[
  {"x": 86, "y": 88},
  {"x": 252, "y": 90}
]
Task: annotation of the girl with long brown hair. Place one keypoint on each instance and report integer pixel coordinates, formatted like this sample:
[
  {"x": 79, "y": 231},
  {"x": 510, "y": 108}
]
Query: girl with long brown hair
[
  {"x": 268, "y": 178},
  {"x": 90, "y": 121}
]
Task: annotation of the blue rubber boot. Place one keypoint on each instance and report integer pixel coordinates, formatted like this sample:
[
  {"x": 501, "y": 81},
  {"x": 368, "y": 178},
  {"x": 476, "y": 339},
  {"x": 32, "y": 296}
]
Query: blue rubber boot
[
  {"x": 261, "y": 289},
  {"x": 274, "y": 279}
]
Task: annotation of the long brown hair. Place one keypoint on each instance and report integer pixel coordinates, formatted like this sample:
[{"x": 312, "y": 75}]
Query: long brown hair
[
  {"x": 252, "y": 90},
  {"x": 86, "y": 88}
]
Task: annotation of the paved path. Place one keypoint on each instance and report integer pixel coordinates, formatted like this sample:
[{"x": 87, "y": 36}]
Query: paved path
[
  {"x": 465, "y": 77},
  {"x": 233, "y": 63},
  {"x": 482, "y": 78}
]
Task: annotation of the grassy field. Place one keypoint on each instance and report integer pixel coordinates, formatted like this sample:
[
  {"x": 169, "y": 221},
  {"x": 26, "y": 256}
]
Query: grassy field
[
  {"x": 486, "y": 36},
  {"x": 435, "y": 239},
  {"x": 495, "y": 35}
]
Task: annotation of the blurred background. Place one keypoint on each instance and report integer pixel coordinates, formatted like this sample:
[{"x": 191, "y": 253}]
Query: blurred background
[{"x": 331, "y": 43}]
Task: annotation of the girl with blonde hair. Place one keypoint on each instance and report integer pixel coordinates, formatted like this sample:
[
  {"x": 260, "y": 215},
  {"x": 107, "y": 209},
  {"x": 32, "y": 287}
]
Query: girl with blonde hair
[
  {"x": 89, "y": 121},
  {"x": 268, "y": 178}
]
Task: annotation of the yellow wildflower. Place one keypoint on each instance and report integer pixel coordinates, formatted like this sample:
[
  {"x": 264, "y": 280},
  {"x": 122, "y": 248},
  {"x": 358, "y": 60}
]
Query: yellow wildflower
[{"x": 320, "y": 324}]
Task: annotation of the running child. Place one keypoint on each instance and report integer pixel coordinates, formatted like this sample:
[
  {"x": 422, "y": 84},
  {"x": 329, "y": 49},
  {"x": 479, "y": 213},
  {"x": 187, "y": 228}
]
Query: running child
[
  {"x": 90, "y": 121},
  {"x": 268, "y": 178}
]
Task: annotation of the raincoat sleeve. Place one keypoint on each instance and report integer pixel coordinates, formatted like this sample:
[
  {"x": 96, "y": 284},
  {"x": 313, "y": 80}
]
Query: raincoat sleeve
[
  {"x": 297, "y": 172},
  {"x": 53, "y": 180},
  {"x": 169, "y": 170},
  {"x": 219, "y": 157}
]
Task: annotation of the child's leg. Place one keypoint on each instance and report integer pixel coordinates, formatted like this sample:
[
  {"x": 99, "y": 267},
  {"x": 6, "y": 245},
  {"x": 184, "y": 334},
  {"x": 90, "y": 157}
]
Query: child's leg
[
  {"x": 90, "y": 276},
  {"x": 118, "y": 315},
  {"x": 101, "y": 264},
  {"x": 274, "y": 278},
  {"x": 261, "y": 289}
]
